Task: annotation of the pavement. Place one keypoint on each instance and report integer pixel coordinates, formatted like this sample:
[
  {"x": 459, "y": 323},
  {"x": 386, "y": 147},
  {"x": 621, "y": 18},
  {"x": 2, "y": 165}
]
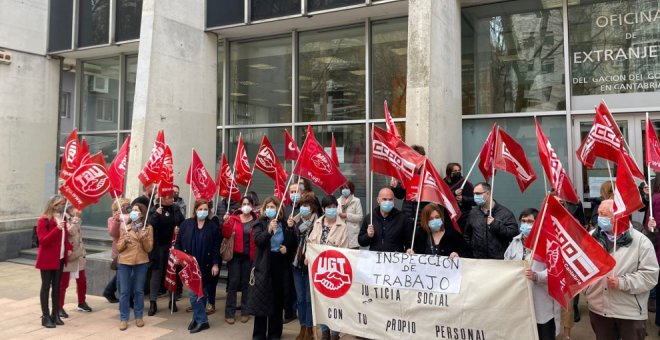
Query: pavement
[{"x": 20, "y": 316}]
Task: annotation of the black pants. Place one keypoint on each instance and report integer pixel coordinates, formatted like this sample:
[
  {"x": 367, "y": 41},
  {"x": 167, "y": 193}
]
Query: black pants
[
  {"x": 210, "y": 288},
  {"x": 546, "y": 330},
  {"x": 270, "y": 327},
  {"x": 159, "y": 266},
  {"x": 50, "y": 279},
  {"x": 239, "y": 279},
  {"x": 615, "y": 329}
]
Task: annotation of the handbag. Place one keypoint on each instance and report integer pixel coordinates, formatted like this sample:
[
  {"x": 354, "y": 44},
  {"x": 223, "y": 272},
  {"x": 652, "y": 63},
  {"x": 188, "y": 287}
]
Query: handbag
[
  {"x": 113, "y": 264},
  {"x": 227, "y": 248}
]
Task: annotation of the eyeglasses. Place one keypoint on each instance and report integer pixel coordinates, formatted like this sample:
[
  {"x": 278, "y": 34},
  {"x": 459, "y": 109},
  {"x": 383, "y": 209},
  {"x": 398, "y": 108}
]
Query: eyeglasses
[{"x": 479, "y": 193}]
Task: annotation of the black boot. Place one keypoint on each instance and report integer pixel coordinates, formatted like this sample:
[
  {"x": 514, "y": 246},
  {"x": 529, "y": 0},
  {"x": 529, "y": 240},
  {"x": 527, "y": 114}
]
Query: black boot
[
  {"x": 47, "y": 322},
  {"x": 56, "y": 319},
  {"x": 174, "y": 308},
  {"x": 152, "y": 308}
]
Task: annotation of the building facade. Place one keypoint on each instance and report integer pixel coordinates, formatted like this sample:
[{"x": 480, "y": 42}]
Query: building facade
[{"x": 209, "y": 71}]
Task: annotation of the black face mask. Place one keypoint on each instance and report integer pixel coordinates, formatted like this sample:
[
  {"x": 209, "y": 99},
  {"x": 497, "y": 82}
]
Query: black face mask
[
  {"x": 175, "y": 195},
  {"x": 455, "y": 176}
]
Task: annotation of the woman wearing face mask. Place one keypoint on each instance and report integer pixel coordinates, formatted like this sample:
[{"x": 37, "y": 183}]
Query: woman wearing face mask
[
  {"x": 199, "y": 236},
  {"x": 329, "y": 230},
  {"x": 433, "y": 237},
  {"x": 54, "y": 247},
  {"x": 546, "y": 309},
  {"x": 273, "y": 239},
  {"x": 454, "y": 179},
  {"x": 134, "y": 244},
  {"x": 241, "y": 224},
  {"x": 349, "y": 209},
  {"x": 302, "y": 225},
  {"x": 118, "y": 220}
]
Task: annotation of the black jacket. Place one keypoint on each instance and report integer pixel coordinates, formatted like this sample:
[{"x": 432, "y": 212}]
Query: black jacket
[
  {"x": 452, "y": 241},
  {"x": 260, "y": 297},
  {"x": 391, "y": 233},
  {"x": 409, "y": 207},
  {"x": 468, "y": 198},
  {"x": 490, "y": 242},
  {"x": 210, "y": 245},
  {"x": 164, "y": 224}
]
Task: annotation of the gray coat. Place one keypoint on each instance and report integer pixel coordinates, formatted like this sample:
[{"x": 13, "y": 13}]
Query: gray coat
[{"x": 490, "y": 242}]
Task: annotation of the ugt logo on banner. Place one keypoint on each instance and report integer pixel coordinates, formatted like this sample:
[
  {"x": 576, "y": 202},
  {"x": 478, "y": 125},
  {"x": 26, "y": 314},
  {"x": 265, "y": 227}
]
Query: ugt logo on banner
[{"x": 332, "y": 274}]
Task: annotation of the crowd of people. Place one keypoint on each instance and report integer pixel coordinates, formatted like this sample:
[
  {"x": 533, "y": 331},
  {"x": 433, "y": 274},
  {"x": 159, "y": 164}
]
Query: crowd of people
[{"x": 267, "y": 243}]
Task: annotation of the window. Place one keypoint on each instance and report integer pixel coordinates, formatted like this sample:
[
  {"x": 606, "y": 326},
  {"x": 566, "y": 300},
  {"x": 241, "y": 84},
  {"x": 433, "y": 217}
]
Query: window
[
  {"x": 319, "y": 5},
  {"x": 332, "y": 75},
  {"x": 224, "y": 12},
  {"x": 65, "y": 105},
  {"x": 59, "y": 25},
  {"x": 266, "y": 9},
  {"x": 511, "y": 53},
  {"x": 129, "y": 91},
  {"x": 105, "y": 110},
  {"x": 128, "y": 19},
  {"x": 389, "y": 62},
  {"x": 100, "y": 89},
  {"x": 93, "y": 22}
]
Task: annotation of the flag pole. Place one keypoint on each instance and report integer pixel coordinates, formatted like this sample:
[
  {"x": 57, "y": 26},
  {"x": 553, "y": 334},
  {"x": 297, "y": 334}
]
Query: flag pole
[
  {"x": 146, "y": 218},
  {"x": 545, "y": 183},
  {"x": 192, "y": 166},
  {"x": 470, "y": 172},
  {"x": 538, "y": 232},
  {"x": 419, "y": 200},
  {"x": 609, "y": 171},
  {"x": 492, "y": 180},
  {"x": 247, "y": 188},
  {"x": 121, "y": 212},
  {"x": 289, "y": 182},
  {"x": 648, "y": 175},
  {"x": 371, "y": 182}
]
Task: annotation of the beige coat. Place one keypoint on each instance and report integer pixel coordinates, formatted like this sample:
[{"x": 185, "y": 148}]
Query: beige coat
[
  {"x": 76, "y": 260},
  {"x": 353, "y": 218},
  {"x": 338, "y": 236},
  {"x": 136, "y": 250},
  {"x": 637, "y": 270}
]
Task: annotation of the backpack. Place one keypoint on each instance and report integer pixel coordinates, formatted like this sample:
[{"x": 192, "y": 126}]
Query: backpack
[{"x": 35, "y": 238}]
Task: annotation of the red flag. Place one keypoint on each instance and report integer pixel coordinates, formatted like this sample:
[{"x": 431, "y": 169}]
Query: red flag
[
  {"x": 279, "y": 190},
  {"x": 652, "y": 147},
  {"x": 317, "y": 166},
  {"x": 226, "y": 183},
  {"x": 83, "y": 154},
  {"x": 291, "y": 152},
  {"x": 242, "y": 169},
  {"x": 166, "y": 181},
  {"x": 170, "y": 273},
  {"x": 268, "y": 162},
  {"x": 391, "y": 127},
  {"x": 151, "y": 172},
  {"x": 559, "y": 180},
  {"x": 70, "y": 156},
  {"x": 626, "y": 195},
  {"x": 117, "y": 170},
  {"x": 434, "y": 189},
  {"x": 562, "y": 238},
  {"x": 88, "y": 183},
  {"x": 605, "y": 140},
  {"x": 487, "y": 154},
  {"x": 199, "y": 179},
  {"x": 333, "y": 151},
  {"x": 510, "y": 157},
  {"x": 392, "y": 157},
  {"x": 190, "y": 274}
]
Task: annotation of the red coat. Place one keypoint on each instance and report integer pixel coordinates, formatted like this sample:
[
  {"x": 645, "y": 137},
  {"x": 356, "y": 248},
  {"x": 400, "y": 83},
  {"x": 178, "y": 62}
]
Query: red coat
[
  {"x": 50, "y": 240},
  {"x": 234, "y": 224}
]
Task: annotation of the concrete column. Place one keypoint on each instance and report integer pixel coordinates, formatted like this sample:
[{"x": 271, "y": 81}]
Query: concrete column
[
  {"x": 433, "y": 97},
  {"x": 29, "y": 94},
  {"x": 176, "y": 88}
]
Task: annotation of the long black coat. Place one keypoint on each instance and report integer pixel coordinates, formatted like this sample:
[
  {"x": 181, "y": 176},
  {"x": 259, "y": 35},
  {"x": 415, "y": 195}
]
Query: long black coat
[
  {"x": 490, "y": 242},
  {"x": 260, "y": 297},
  {"x": 210, "y": 244}
]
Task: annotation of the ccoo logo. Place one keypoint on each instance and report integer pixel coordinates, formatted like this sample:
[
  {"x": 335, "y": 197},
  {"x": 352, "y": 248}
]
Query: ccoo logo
[
  {"x": 332, "y": 274},
  {"x": 91, "y": 179}
]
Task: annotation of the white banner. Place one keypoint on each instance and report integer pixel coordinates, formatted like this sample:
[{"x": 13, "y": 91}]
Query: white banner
[{"x": 381, "y": 295}]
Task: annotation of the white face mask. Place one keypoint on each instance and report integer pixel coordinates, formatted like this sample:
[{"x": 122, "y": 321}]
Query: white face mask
[{"x": 246, "y": 209}]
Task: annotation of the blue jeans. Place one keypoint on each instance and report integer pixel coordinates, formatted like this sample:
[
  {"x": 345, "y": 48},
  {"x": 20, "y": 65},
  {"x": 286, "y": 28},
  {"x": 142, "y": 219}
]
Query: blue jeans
[
  {"x": 135, "y": 286},
  {"x": 199, "y": 308},
  {"x": 303, "y": 297},
  {"x": 325, "y": 328}
]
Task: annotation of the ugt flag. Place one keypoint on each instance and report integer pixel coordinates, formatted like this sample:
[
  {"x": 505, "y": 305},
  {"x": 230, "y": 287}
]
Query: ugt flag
[
  {"x": 190, "y": 275},
  {"x": 88, "y": 183},
  {"x": 226, "y": 183},
  {"x": 201, "y": 182},
  {"x": 242, "y": 169},
  {"x": 70, "y": 156},
  {"x": 291, "y": 151},
  {"x": 166, "y": 181},
  {"x": 268, "y": 162},
  {"x": 117, "y": 170},
  {"x": 317, "y": 166},
  {"x": 151, "y": 171}
]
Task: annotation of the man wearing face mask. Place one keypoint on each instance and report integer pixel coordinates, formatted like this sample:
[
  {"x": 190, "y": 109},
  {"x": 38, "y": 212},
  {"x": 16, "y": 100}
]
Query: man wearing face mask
[
  {"x": 489, "y": 229},
  {"x": 178, "y": 200},
  {"x": 618, "y": 302},
  {"x": 391, "y": 229}
]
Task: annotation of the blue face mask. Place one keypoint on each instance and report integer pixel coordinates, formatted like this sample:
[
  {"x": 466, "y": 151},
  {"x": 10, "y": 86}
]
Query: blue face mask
[
  {"x": 605, "y": 224},
  {"x": 331, "y": 212},
  {"x": 435, "y": 224},
  {"x": 386, "y": 206},
  {"x": 525, "y": 229},
  {"x": 271, "y": 213},
  {"x": 305, "y": 211},
  {"x": 295, "y": 197},
  {"x": 345, "y": 192},
  {"x": 479, "y": 200},
  {"x": 202, "y": 214},
  {"x": 134, "y": 215}
]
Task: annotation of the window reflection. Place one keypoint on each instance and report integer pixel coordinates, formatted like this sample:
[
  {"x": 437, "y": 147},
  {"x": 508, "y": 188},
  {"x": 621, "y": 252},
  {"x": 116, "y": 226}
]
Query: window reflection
[
  {"x": 389, "y": 66},
  {"x": 100, "y": 95},
  {"x": 332, "y": 75},
  {"x": 512, "y": 58},
  {"x": 260, "y": 86},
  {"x": 93, "y": 22},
  {"x": 129, "y": 90},
  {"x": 319, "y": 5},
  {"x": 266, "y": 9},
  {"x": 59, "y": 25},
  {"x": 224, "y": 12},
  {"x": 129, "y": 17},
  {"x": 97, "y": 214}
]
